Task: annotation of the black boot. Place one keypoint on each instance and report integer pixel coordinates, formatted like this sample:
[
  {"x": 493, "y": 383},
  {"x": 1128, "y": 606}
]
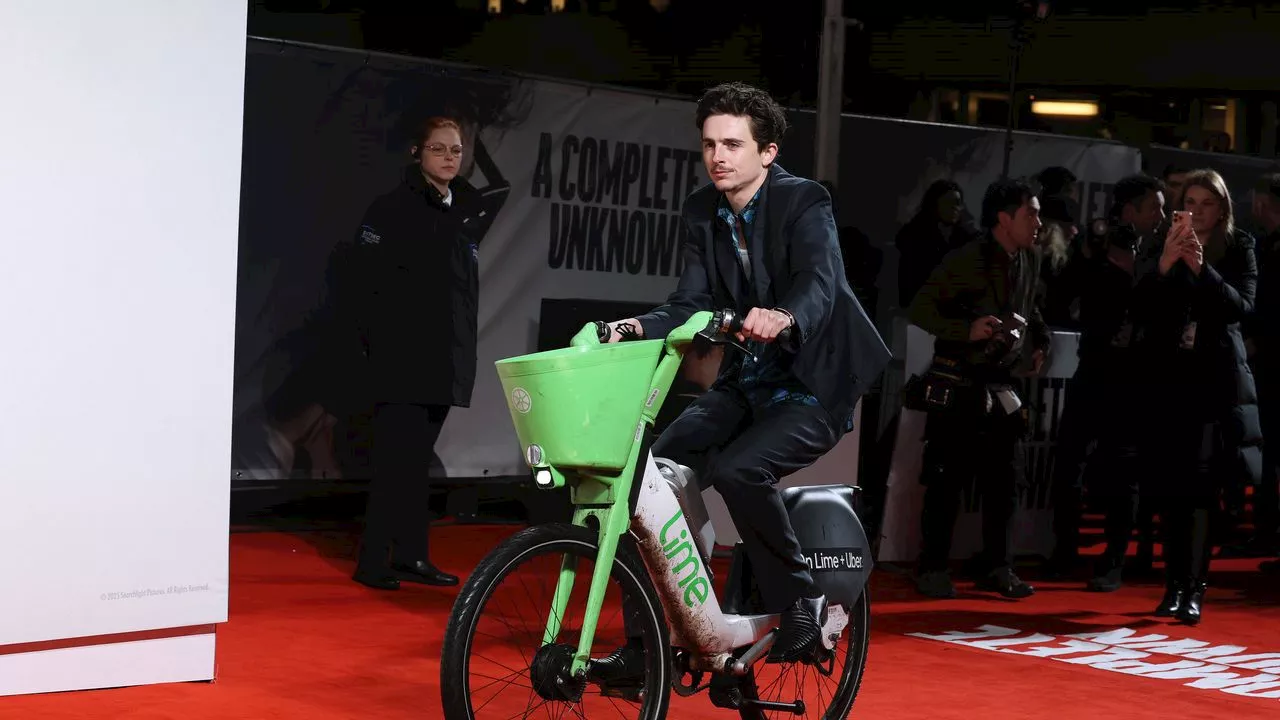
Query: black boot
[
  {"x": 624, "y": 666},
  {"x": 1189, "y": 613},
  {"x": 1005, "y": 582},
  {"x": 801, "y": 630},
  {"x": 1175, "y": 595}
]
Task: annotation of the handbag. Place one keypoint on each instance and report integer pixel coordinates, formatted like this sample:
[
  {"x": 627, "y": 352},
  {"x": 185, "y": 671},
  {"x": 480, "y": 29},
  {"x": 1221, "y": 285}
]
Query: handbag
[{"x": 941, "y": 388}]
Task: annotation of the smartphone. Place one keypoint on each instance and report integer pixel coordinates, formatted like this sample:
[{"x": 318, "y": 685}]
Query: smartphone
[{"x": 1181, "y": 217}]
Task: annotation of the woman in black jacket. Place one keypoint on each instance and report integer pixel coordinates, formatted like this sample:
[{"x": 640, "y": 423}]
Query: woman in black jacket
[
  {"x": 405, "y": 294},
  {"x": 1206, "y": 434},
  {"x": 939, "y": 227}
]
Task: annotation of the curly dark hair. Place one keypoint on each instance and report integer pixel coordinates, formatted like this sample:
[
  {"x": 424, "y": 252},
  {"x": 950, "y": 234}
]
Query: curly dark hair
[
  {"x": 1004, "y": 196},
  {"x": 768, "y": 121}
]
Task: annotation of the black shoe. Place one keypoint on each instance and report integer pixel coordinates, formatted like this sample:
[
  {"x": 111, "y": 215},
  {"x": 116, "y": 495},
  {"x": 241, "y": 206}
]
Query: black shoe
[
  {"x": 800, "y": 631},
  {"x": 936, "y": 584},
  {"x": 1189, "y": 613},
  {"x": 1106, "y": 577},
  {"x": 624, "y": 666},
  {"x": 1175, "y": 594},
  {"x": 377, "y": 579},
  {"x": 423, "y": 572},
  {"x": 1006, "y": 583}
]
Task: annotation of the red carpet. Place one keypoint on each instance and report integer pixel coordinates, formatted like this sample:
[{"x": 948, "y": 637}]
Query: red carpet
[{"x": 306, "y": 642}]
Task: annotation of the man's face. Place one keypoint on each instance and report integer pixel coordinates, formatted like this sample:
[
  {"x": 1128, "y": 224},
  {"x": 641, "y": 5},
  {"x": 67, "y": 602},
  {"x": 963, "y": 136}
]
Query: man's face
[
  {"x": 731, "y": 155},
  {"x": 1147, "y": 214},
  {"x": 1024, "y": 224}
]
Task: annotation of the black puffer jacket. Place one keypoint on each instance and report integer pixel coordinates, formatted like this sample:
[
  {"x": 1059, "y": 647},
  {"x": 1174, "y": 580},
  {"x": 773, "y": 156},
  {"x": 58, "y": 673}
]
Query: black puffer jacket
[
  {"x": 404, "y": 293},
  {"x": 1213, "y": 380}
]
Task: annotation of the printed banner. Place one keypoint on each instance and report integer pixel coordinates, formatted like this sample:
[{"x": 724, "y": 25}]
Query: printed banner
[
  {"x": 584, "y": 187},
  {"x": 584, "y": 190}
]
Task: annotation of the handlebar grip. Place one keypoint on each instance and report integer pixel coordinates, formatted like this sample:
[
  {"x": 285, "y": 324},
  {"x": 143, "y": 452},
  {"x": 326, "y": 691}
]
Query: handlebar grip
[{"x": 731, "y": 324}]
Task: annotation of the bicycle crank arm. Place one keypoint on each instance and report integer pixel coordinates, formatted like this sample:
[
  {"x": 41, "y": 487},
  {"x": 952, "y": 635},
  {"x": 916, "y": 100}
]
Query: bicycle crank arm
[
  {"x": 740, "y": 666},
  {"x": 795, "y": 708}
]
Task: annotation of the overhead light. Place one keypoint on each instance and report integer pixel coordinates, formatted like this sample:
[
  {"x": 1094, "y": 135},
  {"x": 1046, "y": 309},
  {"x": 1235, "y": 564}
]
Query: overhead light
[{"x": 1069, "y": 108}]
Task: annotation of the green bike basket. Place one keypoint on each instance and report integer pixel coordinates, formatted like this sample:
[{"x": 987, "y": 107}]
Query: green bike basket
[{"x": 580, "y": 407}]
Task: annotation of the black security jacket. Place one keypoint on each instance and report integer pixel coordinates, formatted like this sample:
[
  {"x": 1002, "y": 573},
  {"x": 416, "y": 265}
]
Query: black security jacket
[
  {"x": 799, "y": 269},
  {"x": 404, "y": 293}
]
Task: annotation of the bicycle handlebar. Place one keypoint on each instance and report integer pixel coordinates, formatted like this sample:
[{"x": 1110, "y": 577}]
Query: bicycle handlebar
[
  {"x": 730, "y": 324},
  {"x": 718, "y": 328}
]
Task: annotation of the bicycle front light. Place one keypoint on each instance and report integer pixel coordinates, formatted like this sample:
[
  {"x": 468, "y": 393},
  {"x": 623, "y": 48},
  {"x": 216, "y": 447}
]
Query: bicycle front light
[{"x": 547, "y": 478}]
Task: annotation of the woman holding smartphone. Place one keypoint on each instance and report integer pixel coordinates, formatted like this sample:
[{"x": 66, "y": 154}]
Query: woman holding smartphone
[{"x": 1205, "y": 431}]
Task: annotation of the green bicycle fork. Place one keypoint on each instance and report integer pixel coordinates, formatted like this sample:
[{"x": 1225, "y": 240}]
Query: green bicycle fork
[{"x": 606, "y": 498}]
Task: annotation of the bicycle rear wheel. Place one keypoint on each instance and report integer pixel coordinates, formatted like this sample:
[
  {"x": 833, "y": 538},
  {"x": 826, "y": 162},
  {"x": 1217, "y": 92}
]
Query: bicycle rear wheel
[
  {"x": 828, "y": 691},
  {"x": 494, "y": 664}
]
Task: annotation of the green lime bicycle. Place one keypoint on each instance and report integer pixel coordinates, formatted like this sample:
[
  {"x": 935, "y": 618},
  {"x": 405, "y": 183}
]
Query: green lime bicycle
[{"x": 639, "y": 531}]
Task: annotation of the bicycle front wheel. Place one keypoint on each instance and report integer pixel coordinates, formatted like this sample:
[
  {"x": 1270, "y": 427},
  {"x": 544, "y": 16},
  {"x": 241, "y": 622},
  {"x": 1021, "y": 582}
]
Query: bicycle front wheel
[{"x": 495, "y": 664}]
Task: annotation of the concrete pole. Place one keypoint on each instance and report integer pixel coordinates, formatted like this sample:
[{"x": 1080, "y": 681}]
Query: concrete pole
[{"x": 826, "y": 164}]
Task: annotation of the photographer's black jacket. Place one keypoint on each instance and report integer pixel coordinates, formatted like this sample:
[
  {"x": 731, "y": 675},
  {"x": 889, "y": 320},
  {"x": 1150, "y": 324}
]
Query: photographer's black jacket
[
  {"x": 1109, "y": 335},
  {"x": 974, "y": 281},
  {"x": 404, "y": 293}
]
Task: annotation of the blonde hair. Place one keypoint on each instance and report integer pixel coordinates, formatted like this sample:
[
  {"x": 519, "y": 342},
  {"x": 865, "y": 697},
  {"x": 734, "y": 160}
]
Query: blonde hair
[
  {"x": 1055, "y": 244},
  {"x": 1210, "y": 180}
]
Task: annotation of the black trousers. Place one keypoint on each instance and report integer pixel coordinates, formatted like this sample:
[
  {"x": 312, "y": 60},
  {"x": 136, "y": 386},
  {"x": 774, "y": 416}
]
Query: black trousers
[
  {"x": 1187, "y": 453},
  {"x": 743, "y": 451},
  {"x": 1076, "y": 435},
  {"x": 960, "y": 447},
  {"x": 1119, "y": 471},
  {"x": 396, "y": 521},
  {"x": 1266, "y": 498},
  {"x": 1103, "y": 430}
]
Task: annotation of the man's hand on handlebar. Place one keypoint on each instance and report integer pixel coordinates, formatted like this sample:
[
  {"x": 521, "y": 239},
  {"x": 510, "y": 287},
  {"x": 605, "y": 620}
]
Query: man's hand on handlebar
[
  {"x": 620, "y": 330},
  {"x": 764, "y": 325}
]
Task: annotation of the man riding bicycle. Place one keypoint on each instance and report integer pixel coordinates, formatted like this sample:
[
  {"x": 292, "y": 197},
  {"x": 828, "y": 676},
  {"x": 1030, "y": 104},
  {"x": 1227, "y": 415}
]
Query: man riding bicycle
[{"x": 763, "y": 242}]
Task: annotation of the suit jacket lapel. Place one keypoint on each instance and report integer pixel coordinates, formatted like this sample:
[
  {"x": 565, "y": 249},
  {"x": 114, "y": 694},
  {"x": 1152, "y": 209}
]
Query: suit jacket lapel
[
  {"x": 727, "y": 263},
  {"x": 717, "y": 252},
  {"x": 765, "y": 230}
]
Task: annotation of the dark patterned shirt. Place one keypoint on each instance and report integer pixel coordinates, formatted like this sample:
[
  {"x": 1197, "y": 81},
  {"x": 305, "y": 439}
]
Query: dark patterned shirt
[{"x": 766, "y": 378}]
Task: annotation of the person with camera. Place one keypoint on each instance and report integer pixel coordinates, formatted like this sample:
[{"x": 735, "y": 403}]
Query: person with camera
[
  {"x": 1107, "y": 398},
  {"x": 982, "y": 307},
  {"x": 1205, "y": 429}
]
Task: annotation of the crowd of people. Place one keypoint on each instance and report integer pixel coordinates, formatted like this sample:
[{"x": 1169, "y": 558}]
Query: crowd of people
[{"x": 1175, "y": 387}]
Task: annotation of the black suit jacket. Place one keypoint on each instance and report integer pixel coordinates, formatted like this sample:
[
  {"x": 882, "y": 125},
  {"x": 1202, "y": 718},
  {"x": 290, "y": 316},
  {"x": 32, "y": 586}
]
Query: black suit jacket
[{"x": 796, "y": 266}]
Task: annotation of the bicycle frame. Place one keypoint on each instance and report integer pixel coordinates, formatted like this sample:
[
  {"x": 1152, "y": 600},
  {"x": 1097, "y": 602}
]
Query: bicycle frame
[{"x": 662, "y": 531}]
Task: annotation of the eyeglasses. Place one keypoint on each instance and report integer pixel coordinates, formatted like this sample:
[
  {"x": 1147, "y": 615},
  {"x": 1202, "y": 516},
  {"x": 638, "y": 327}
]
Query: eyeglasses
[{"x": 439, "y": 150}]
